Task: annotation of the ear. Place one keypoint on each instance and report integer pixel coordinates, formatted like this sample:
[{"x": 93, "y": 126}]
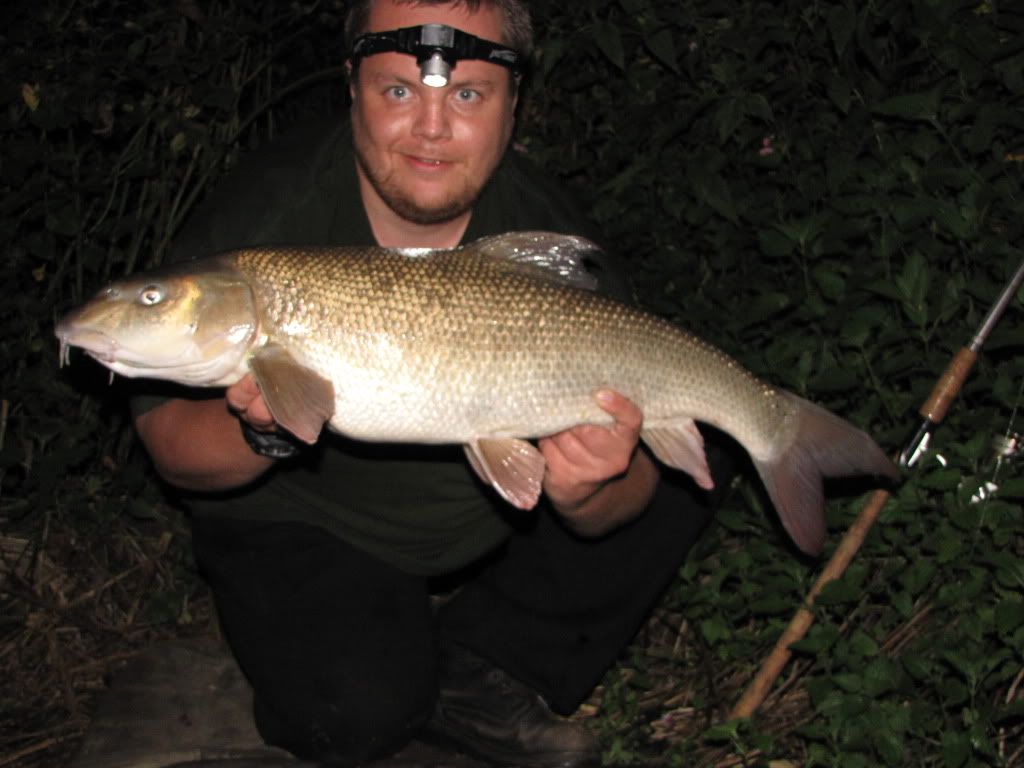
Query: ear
[{"x": 351, "y": 79}]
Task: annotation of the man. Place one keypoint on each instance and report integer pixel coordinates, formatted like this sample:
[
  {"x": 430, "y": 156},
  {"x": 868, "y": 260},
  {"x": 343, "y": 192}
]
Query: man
[{"x": 322, "y": 559}]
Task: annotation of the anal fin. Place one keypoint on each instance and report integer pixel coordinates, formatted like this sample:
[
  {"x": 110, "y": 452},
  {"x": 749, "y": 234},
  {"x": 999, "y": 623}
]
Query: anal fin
[
  {"x": 680, "y": 445},
  {"x": 514, "y": 467}
]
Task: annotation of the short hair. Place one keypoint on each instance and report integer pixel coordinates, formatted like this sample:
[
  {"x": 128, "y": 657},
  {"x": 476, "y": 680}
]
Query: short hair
[{"x": 517, "y": 29}]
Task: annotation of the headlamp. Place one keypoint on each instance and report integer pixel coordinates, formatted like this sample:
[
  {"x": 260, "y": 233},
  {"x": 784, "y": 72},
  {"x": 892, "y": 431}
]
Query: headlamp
[{"x": 437, "y": 48}]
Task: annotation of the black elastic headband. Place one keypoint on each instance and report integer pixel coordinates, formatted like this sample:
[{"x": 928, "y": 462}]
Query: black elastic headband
[{"x": 437, "y": 48}]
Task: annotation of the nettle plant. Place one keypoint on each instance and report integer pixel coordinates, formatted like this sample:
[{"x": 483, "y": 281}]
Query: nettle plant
[{"x": 831, "y": 192}]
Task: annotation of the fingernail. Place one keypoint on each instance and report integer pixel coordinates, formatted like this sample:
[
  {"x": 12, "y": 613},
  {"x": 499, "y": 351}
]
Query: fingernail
[{"x": 605, "y": 397}]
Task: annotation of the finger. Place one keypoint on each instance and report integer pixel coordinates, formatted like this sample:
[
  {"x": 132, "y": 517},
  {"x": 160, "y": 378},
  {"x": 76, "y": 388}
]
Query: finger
[
  {"x": 554, "y": 450},
  {"x": 595, "y": 445},
  {"x": 246, "y": 401},
  {"x": 625, "y": 412},
  {"x": 588, "y": 453},
  {"x": 259, "y": 415},
  {"x": 561, "y": 472},
  {"x": 240, "y": 394}
]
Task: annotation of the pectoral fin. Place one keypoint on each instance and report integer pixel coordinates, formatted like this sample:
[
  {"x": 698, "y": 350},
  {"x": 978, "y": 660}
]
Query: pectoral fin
[
  {"x": 680, "y": 445},
  {"x": 514, "y": 467},
  {"x": 300, "y": 399}
]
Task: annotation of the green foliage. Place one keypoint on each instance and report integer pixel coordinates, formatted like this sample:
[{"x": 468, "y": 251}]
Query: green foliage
[
  {"x": 117, "y": 119},
  {"x": 831, "y": 191}
]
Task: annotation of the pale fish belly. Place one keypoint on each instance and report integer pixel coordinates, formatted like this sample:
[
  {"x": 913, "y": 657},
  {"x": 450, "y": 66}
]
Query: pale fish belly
[{"x": 489, "y": 371}]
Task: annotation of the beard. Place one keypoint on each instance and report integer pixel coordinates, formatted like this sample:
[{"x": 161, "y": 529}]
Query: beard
[{"x": 453, "y": 205}]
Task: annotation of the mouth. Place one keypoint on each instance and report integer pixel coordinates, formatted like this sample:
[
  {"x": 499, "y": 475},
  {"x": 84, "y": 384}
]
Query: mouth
[
  {"x": 427, "y": 163},
  {"x": 94, "y": 343}
]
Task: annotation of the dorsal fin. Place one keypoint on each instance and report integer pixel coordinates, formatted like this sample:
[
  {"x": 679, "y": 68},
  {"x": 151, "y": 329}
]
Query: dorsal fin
[{"x": 547, "y": 255}]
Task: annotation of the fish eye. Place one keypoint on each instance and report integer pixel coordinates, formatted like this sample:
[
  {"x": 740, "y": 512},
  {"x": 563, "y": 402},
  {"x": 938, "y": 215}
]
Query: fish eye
[{"x": 150, "y": 295}]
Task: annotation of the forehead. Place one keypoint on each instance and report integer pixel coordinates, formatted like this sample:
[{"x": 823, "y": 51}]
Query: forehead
[{"x": 486, "y": 21}]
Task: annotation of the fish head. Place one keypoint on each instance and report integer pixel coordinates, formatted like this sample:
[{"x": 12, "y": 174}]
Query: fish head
[{"x": 192, "y": 323}]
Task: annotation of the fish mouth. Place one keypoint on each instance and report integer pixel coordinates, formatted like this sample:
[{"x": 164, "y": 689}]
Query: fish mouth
[{"x": 95, "y": 343}]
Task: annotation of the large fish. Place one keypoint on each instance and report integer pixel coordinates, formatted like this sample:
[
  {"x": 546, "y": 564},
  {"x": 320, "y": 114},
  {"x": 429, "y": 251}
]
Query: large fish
[{"x": 484, "y": 345}]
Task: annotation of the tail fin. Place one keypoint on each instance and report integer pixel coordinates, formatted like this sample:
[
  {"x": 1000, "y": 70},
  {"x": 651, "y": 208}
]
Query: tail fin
[{"x": 823, "y": 445}]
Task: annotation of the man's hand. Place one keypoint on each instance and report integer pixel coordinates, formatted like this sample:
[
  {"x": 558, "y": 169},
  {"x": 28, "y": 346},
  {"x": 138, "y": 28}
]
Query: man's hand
[
  {"x": 596, "y": 478},
  {"x": 246, "y": 402}
]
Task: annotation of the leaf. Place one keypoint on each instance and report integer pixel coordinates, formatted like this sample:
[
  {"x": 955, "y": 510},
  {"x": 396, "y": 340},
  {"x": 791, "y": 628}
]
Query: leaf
[
  {"x": 1009, "y": 615},
  {"x": 766, "y": 306},
  {"x": 912, "y": 284},
  {"x": 178, "y": 143},
  {"x": 774, "y": 243},
  {"x": 662, "y": 46},
  {"x": 830, "y": 281},
  {"x": 839, "y": 92},
  {"x": 715, "y": 630},
  {"x": 722, "y": 733},
  {"x": 880, "y": 676},
  {"x": 956, "y": 748},
  {"x": 609, "y": 41},
  {"x": 1012, "y": 488},
  {"x": 890, "y": 745},
  {"x": 918, "y": 576},
  {"x": 713, "y": 190},
  {"x": 838, "y": 592},
  {"x": 923, "y": 105},
  {"x": 552, "y": 53},
  {"x": 841, "y": 24},
  {"x": 30, "y": 95},
  {"x": 848, "y": 681},
  {"x": 728, "y": 116},
  {"x": 863, "y": 644},
  {"x": 756, "y": 105},
  {"x": 858, "y": 325}
]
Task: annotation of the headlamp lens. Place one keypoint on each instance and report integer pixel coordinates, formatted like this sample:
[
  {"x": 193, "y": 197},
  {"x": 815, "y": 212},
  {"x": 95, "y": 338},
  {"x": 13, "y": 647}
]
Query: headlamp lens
[{"x": 435, "y": 71}]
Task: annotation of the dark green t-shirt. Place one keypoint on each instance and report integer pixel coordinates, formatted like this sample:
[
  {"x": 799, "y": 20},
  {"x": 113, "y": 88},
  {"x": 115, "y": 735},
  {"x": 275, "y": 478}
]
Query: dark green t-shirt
[{"x": 420, "y": 508}]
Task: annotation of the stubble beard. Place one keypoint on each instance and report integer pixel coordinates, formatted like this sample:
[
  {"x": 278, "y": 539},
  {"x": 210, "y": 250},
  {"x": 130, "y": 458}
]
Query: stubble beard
[{"x": 453, "y": 206}]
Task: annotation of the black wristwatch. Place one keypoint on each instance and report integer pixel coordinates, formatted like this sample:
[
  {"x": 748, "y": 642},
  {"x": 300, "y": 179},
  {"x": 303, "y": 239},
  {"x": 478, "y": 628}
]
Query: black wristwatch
[{"x": 279, "y": 445}]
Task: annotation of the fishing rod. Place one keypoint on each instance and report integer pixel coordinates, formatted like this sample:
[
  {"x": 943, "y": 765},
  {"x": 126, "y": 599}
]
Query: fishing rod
[{"x": 933, "y": 412}]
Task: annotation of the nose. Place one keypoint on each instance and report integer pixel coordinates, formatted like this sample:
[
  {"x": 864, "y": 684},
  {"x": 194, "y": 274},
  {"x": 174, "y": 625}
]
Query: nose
[{"x": 432, "y": 120}]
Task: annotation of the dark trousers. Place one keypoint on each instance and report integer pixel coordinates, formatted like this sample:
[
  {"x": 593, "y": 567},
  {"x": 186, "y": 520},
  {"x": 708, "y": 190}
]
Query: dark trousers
[{"x": 341, "y": 648}]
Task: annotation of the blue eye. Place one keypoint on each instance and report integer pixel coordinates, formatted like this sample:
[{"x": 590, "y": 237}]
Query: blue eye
[
  {"x": 467, "y": 94},
  {"x": 398, "y": 92}
]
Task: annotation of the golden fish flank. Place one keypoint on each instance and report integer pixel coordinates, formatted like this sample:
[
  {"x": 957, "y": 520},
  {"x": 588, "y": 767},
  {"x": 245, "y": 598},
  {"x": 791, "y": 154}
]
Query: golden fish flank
[{"x": 486, "y": 345}]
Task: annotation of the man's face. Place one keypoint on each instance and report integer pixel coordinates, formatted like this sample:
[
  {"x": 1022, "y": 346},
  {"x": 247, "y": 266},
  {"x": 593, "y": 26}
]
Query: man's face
[{"x": 427, "y": 152}]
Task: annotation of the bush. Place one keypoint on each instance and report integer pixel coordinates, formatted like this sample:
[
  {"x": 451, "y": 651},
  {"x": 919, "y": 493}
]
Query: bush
[{"x": 830, "y": 191}]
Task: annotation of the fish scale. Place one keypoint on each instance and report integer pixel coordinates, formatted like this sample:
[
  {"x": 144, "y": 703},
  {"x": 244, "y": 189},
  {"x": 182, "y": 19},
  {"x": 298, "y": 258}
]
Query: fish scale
[
  {"x": 509, "y": 380},
  {"x": 486, "y": 345}
]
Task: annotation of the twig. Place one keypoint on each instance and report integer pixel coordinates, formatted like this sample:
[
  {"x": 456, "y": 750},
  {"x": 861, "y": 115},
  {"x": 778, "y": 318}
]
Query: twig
[
  {"x": 5, "y": 410},
  {"x": 57, "y": 663},
  {"x": 14, "y": 757},
  {"x": 1012, "y": 693},
  {"x": 103, "y": 587},
  {"x": 902, "y": 636},
  {"x": 803, "y": 618}
]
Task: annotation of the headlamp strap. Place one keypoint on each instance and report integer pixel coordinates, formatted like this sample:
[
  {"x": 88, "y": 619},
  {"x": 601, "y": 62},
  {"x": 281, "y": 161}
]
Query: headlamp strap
[{"x": 424, "y": 40}]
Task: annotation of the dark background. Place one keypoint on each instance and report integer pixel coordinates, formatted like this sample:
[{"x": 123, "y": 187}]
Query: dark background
[{"x": 830, "y": 190}]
